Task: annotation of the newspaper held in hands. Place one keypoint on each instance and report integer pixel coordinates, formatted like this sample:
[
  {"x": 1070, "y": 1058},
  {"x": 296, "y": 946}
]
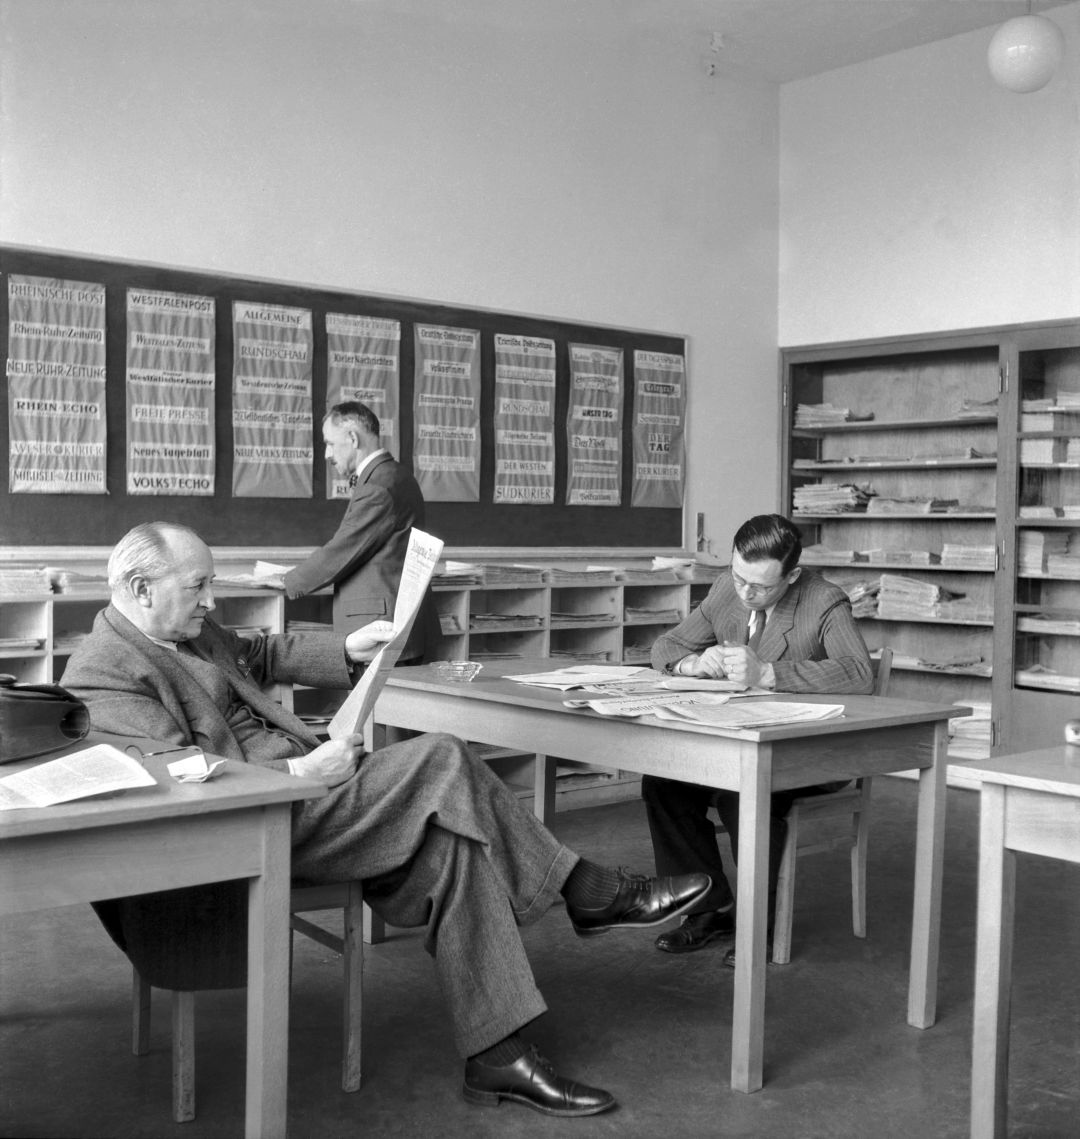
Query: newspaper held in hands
[{"x": 421, "y": 558}]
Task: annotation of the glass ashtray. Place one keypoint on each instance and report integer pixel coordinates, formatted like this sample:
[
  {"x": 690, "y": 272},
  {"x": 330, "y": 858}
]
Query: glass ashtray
[{"x": 461, "y": 671}]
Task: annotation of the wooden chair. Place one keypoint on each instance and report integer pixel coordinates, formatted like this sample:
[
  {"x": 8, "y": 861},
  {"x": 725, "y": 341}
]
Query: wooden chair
[
  {"x": 852, "y": 802},
  {"x": 347, "y": 897}
]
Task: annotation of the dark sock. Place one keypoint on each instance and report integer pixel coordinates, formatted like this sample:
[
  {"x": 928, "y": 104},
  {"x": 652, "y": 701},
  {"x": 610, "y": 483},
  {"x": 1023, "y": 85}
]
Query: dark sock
[
  {"x": 590, "y": 886},
  {"x": 503, "y": 1053},
  {"x": 716, "y": 911}
]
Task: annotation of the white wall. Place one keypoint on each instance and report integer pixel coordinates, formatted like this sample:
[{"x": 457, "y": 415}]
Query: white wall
[
  {"x": 401, "y": 147},
  {"x": 916, "y": 195}
]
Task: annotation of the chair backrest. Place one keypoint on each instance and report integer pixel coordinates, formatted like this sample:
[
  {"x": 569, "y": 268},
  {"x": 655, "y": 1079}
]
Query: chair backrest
[{"x": 882, "y": 670}]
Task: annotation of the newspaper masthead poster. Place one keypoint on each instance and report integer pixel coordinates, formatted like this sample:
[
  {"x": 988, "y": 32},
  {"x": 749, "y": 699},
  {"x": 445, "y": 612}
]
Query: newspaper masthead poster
[
  {"x": 170, "y": 393},
  {"x": 272, "y": 430},
  {"x": 56, "y": 386}
]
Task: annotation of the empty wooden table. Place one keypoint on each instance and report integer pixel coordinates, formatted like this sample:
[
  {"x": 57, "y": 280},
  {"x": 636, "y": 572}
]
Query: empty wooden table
[{"x": 1029, "y": 802}]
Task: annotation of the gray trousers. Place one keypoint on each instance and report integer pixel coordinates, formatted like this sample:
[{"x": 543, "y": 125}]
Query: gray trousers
[{"x": 441, "y": 842}]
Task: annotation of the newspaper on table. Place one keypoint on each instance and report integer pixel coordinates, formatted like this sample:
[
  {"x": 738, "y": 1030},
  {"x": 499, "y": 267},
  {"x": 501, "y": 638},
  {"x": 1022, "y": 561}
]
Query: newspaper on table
[
  {"x": 95, "y": 770},
  {"x": 421, "y": 558},
  {"x": 638, "y": 684},
  {"x": 754, "y": 714},
  {"x": 710, "y": 708},
  {"x": 582, "y": 676},
  {"x": 648, "y": 703}
]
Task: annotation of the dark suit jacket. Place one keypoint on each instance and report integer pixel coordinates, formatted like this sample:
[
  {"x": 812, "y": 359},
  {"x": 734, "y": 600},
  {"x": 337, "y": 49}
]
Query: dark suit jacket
[
  {"x": 811, "y": 639},
  {"x": 363, "y": 559}
]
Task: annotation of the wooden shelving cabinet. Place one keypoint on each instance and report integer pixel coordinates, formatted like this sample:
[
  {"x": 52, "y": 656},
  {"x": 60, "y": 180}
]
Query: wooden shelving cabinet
[
  {"x": 57, "y": 621},
  {"x": 927, "y": 429},
  {"x": 1038, "y": 680},
  {"x": 563, "y": 615},
  {"x": 613, "y": 621}
]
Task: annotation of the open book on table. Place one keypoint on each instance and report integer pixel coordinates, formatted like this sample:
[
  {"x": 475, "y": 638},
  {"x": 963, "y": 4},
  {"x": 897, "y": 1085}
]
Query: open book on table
[{"x": 96, "y": 770}]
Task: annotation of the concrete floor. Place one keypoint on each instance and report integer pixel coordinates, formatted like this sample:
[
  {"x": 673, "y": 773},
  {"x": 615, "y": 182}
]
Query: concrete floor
[{"x": 840, "y": 1061}]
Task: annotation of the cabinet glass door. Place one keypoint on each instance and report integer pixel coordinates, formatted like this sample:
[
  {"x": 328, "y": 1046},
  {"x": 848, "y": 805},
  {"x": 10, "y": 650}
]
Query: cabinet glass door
[{"x": 1046, "y": 606}]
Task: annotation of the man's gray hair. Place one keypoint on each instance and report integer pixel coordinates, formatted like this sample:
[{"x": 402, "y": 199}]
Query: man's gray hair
[
  {"x": 352, "y": 411},
  {"x": 144, "y": 552}
]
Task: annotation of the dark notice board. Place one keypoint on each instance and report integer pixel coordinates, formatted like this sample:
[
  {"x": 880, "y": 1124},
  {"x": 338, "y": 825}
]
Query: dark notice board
[{"x": 99, "y": 520}]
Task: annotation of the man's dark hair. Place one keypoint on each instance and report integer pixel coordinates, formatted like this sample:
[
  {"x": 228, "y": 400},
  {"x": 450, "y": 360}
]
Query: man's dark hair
[
  {"x": 352, "y": 411},
  {"x": 769, "y": 536}
]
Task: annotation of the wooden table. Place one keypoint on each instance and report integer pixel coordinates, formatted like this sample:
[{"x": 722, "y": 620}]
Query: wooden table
[
  {"x": 1029, "y": 803},
  {"x": 875, "y": 735},
  {"x": 171, "y": 835}
]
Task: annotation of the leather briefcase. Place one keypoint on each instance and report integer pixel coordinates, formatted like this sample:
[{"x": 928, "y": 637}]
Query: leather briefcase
[{"x": 38, "y": 718}]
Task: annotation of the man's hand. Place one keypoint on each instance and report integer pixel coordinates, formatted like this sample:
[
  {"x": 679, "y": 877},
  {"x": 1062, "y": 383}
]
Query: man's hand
[
  {"x": 707, "y": 663},
  {"x": 742, "y": 665},
  {"x": 332, "y": 762},
  {"x": 361, "y": 645}
]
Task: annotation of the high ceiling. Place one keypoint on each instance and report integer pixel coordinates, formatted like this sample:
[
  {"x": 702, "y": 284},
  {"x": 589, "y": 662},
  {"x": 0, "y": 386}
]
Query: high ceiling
[
  {"x": 783, "y": 40},
  {"x": 776, "y": 40}
]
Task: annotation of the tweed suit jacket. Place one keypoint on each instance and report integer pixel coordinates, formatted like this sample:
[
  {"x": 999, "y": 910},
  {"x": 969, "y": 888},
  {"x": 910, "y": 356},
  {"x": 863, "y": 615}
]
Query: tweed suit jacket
[
  {"x": 192, "y": 938},
  {"x": 363, "y": 559},
  {"x": 133, "y": 686},
  {"x": 811, "y": 638}
]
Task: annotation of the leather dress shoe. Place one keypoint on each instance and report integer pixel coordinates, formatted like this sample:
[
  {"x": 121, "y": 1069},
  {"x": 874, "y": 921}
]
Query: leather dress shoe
[
  {"x": 533, "y": 1081},
  {"x": 641, "y": 902},
  {"x": 697, "y": 931},
  {"x": 729, "y": 957}
]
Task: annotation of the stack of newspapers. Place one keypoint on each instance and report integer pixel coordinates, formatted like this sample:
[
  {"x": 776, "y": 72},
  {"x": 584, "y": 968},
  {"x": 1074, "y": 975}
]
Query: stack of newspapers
[
  {"x": 960, "y": 557},
  {"x": 825, "y": 415},
  {"x": 903, "y": 598},
  {"x": 969, "y": 736},
  {"x": 831, "y": 498},
  {"x": 1037, "y": 546},
  {"x": 1066, "y": 563},
  {"x": 17, "y": 581}
]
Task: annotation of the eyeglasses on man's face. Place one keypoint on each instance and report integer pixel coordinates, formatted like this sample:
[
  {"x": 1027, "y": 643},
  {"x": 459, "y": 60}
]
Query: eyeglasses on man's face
[
  {"x": 770, "y": 578},
  {"x": 756, "y": 588}
]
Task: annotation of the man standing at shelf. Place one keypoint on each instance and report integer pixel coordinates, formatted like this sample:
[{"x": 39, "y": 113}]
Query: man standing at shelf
[
  {"x": 766, "y": 623},
  {"x": 438, "y": 841},
  {"x": 363, "y": 560}
]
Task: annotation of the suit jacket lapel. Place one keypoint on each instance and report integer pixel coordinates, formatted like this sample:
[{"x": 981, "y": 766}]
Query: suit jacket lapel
[
  {"x": 247, "y": 691},
  {"x": 774, "y": 640},
  {"x": 163, "y": 660}
]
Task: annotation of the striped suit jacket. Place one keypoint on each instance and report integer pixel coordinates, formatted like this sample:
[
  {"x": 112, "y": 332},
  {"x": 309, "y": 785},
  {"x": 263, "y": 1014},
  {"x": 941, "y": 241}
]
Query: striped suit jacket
[{"x": 811, "y": 638}]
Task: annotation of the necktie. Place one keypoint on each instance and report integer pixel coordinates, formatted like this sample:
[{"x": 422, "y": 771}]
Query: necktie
[{"x": 757, "y": 627}]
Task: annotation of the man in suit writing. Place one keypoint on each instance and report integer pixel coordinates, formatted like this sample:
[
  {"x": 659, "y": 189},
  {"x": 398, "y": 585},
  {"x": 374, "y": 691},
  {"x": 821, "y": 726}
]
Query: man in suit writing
[
  {"x": 766, "y": 622},
  {"x": 363, "y": 559},
  {"x": 437, "y": 840}
]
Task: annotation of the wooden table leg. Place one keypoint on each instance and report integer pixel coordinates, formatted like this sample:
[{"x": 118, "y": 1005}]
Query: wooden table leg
[
  {"x": 268, "y": 982},
  {"x": 993, "y": 969},
  {"x": 926, "y": 912},
  {"x": 748, "y": 1006},
  {"x": 544, "y": 789}
]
